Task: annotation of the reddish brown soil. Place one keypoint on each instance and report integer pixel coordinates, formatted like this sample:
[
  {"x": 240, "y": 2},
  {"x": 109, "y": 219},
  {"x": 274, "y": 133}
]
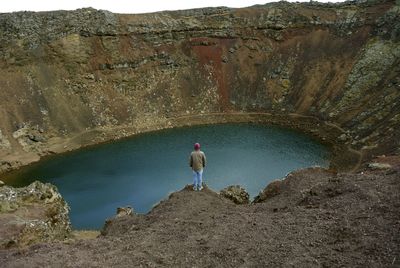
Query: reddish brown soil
[{"x": 212, "y": 55}]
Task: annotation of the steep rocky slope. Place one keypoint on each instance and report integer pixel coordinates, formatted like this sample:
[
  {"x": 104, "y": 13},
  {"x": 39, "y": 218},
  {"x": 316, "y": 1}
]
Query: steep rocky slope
[{"x": 75, "y": 78}]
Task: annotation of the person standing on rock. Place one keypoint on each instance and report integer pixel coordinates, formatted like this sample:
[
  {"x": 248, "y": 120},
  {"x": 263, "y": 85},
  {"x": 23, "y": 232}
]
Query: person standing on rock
[{"x": 197, "y": 163}]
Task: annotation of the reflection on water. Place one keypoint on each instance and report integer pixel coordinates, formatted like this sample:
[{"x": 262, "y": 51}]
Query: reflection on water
[{"x": 142, "y": 170}]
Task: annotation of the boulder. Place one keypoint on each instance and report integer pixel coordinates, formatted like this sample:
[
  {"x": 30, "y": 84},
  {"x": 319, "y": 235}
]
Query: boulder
[
  {"x": 124, "y": 211},
  {"x": 9, "y": 165},
  {"x": 36, "y": 138},
  {"x": 33, "y": 214},
  {"x": 379, "y": 166},
  {"x": 4, "y": 142},
  {"x": 343, "y": 137},
  {"x": 118, "y": 224},
  {"x": 235, "y": 193}
]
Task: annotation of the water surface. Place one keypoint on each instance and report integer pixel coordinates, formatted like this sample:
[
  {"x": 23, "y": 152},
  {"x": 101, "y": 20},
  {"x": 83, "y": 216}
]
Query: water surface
[{"x": 142, "y": 170}]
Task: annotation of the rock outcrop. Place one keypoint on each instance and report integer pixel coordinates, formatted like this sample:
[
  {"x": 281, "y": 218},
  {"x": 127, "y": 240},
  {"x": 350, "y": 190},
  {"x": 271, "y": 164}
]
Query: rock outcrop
[
  {"x": 74, "y": 78},
  {"x": 236, "y": 193},
  {"x": 33, "y": 214},
  {"x": 379, "y": 166},
  {"x": 124, "y": 211}
]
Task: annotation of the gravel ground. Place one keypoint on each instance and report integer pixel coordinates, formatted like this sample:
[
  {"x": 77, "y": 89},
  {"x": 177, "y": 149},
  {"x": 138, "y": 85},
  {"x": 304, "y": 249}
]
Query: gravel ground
[{"x": 316, "y": 218}]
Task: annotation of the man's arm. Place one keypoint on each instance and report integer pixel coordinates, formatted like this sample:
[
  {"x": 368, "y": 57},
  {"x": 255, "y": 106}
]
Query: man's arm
[
  {"x": 204, "y": 160},
  {"x": 191, "y": 160}
]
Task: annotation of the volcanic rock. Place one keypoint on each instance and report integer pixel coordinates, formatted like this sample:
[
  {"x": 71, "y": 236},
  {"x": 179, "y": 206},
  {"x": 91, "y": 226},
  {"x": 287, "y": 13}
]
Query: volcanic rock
[
  {"x": 379, "y": 166},
  {"x": 235, "y": 193},
  {"x": 32, "y": 214},
  {"x": 124, "y": 211}
]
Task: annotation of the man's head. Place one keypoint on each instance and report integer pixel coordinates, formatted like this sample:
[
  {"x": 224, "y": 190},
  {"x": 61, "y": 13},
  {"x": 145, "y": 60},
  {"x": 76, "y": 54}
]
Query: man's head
[{"x": 197, "y": 146}]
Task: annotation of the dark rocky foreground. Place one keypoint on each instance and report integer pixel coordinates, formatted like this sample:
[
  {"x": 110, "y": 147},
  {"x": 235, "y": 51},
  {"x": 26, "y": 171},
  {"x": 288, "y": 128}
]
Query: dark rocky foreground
[{"x": 313, "y": 218}]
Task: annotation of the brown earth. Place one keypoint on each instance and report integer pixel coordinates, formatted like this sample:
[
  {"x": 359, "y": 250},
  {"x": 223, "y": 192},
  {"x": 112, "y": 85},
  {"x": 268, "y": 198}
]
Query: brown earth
[
  {"x": 74, "y": 78},
  {"x": 317, "y": 218}
]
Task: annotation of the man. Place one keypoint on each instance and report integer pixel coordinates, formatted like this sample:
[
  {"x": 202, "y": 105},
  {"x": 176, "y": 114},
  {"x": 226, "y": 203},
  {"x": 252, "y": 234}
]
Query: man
[{"x": 197, "y": 163}]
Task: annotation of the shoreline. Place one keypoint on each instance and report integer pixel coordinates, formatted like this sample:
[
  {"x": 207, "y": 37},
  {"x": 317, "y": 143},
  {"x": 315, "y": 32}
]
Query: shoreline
[{"x": 343, "y": 157}]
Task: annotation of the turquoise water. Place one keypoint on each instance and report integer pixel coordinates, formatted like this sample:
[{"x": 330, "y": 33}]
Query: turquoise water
[{"x": 142, "y": 170}]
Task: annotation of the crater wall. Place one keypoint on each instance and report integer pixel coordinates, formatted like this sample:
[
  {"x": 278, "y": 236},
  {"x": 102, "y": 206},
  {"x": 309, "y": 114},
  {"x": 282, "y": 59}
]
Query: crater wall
[{"x": 74, "y": 78}]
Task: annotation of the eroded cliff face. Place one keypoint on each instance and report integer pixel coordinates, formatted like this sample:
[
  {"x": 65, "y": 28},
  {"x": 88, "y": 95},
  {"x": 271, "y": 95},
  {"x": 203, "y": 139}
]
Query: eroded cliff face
[{"x": 75, "y": 78}]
